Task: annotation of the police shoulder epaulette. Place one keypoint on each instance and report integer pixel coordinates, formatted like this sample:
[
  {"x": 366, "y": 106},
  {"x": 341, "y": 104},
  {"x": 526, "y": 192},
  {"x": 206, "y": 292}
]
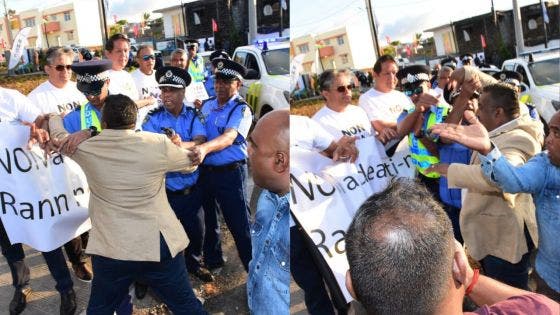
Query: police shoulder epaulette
[
  {"x": 155, "y": 110},
  {"x": 77, "y": 108},
  {"x": 208, "y": 99},
  {"x": 241, "y": 100}
]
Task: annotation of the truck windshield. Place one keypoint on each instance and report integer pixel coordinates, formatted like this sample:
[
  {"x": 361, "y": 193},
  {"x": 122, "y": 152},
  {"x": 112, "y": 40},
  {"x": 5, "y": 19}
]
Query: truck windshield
[
  {"x": 545, "y": 72},
  {"x": 277, "y": 61}
]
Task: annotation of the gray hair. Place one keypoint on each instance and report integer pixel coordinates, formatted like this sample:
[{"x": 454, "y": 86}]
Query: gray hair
[
  {"x": 326, "y": 78},
  {"x": 55, "y": 52},
  {"x": 179, "y": 51},
  {"x": 400, "y": 251}
]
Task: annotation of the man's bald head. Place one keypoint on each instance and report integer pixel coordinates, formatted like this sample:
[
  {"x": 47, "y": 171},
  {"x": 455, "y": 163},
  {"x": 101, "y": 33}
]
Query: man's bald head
[{"x": 269, "y": 151}]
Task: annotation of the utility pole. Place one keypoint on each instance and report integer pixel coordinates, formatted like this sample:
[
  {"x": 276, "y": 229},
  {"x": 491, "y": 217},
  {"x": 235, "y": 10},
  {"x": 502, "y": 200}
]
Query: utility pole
[
  {"x": 519, "y": 44},
  {"x": 373, "y": 28},
  {"x": 8, "y": 28},
  {"x": 281, "y": 19},
  {"x": 103, "y": 20},
  {"x": 253, "y": 20}
]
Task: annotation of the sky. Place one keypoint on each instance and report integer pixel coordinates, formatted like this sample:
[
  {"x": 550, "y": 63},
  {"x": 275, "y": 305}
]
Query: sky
[
  {"x": 131, "y": 10},
  {"x": 398, "y": 19}
]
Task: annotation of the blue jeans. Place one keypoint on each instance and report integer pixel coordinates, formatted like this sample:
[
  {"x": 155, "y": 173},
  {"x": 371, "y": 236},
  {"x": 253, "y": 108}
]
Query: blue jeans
[
  {"x": 226, "y": 189},
  {"x": 188, "y": 210},
  {"x": 307, "y": 276},
  {"x": 168, "y": 278},
  {"x": 20, "y": 272}
]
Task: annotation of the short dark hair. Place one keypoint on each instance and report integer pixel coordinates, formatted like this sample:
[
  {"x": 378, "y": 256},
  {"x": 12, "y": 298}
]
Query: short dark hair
[
  {"x": 381, "y": 61},
  {"x": 119, "y": 112},
  {"x": 142, "y": 47},
  {"x": 400, "y": 250},
  {"x": 502, "y": 95},
  {"x": 326, "y": 78},
  {"x": 110, "y": 44}
]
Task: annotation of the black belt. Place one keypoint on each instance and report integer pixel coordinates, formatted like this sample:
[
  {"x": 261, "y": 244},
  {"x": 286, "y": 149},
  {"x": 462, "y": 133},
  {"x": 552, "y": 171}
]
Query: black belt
[
  {"x": 182, "y": 192},
  {"x": 223, "y": 168}
]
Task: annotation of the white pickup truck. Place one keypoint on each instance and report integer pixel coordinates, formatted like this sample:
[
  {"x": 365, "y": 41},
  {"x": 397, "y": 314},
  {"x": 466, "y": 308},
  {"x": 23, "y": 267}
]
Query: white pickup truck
[{"x": 267, "y": 85}]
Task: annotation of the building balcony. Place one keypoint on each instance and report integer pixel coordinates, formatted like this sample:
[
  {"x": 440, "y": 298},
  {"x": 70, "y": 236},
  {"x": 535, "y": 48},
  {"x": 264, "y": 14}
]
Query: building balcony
[
  {"x": 53, "y": 26},
  {"x": 326, "y": 51}
]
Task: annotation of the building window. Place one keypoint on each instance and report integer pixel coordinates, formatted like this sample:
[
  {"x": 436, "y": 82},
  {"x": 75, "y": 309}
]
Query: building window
[
  {"x": 304, "y": 48},
  {"x": 327, "y": 41},
  {"x": 67, "y": 16},
  {"x": 30, "y": 22},
  {"x": 340, "y": 40},
  {"x": 70, "y": 35},
  {"x": 344, "y": 58},
  {"x": 53, "y": 17}
]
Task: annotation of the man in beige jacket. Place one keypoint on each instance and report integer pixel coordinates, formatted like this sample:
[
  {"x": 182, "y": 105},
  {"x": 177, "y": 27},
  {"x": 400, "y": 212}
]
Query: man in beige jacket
[
  {"x": 499, "y": 229},
  {"x": 135, "y": 235}
]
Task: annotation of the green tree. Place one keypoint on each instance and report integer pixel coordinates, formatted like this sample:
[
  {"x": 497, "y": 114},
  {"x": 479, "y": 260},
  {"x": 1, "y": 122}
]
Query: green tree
[{"x": 118, "y": 27}]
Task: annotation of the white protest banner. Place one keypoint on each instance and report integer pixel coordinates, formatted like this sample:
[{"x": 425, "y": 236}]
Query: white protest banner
[
  {"x": 43, "y": 203},
  {"x": 19, "y": 45},
  {"x": 196, "y": 91},
  {"x": 326, "y": 195}
]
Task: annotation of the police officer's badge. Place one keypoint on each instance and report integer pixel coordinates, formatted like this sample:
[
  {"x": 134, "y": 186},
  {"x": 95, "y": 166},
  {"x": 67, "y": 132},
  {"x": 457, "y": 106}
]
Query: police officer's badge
[
  {"x": 169, "y": 74},
  {"x": 201, "y": 116},
  {"x": 220, "y": 65},
  {"x": 503, "y": 76}
]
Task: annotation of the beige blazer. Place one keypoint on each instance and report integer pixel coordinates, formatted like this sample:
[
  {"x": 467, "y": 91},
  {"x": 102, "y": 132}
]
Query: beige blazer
[
  {"x": 492, "y": 221},
  {"x": 128, "y": 206}
]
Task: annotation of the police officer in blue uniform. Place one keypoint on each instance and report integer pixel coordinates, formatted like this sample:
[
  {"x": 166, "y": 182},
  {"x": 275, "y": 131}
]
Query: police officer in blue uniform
[
  {"x": 183, "y": 126},
  {"x": 93, "y": 80},
  {"x": 209, "y": 81},
  {"x": 223, "y": 171}
]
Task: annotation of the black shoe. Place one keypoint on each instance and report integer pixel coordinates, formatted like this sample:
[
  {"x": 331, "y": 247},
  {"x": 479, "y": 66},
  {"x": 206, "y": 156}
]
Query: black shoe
[
  {"x": 68, "y": 303},
  {"x": 140, "y": 290},
  {"x": 203, "y": 274},
  {"x": 19, "y": 301},
  {"x": 83, "y": 272}
]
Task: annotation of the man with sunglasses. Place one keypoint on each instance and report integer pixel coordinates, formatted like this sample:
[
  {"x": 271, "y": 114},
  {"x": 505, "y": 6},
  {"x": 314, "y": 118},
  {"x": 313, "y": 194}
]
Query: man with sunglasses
[
  {"x": 428, "y": 110},
  {"x": 58, "y": 94},
  {"x": 223, "y": 172},
  {"x": 145, "y": 81},
  {"x": 195, "y": 64}
]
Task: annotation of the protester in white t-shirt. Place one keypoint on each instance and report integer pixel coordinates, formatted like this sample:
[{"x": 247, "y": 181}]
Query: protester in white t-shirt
[
  {"x": 117, "y": 50},
  {"x": 58, "y": 94},
  {"x": 382, "y": 103},
  {"x": 338, "y": 117},
  {"x": 145, "y": 81}
]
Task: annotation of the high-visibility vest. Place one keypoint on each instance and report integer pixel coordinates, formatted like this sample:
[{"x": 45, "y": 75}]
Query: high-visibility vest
[
  {"x": 88, "y": 117},
  {"x": 196, "y": 70},
  {"x": 421, "y": 157}
]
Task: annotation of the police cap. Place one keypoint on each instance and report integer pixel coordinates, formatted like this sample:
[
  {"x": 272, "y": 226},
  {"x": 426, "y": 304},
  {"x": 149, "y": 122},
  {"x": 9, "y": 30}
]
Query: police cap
[
  {"x": 228, "y": 69},
  {"x": 413, "y": 75},
  {"x": 173, "y": 77},
  {"x": 91, "y": 75},
  {"x": 511, "y": 77}
]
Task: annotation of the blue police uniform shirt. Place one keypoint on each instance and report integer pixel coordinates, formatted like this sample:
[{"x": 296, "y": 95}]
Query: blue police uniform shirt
[
  {"x": 216, "y": 122},
  {"x": 73, "y": 121},
  {"x": 209, "y": 85},
  {"x": 182, "y": 124}
]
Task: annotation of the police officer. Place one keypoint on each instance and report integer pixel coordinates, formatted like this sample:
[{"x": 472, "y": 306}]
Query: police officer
[
  {"x": 514, "y": 79},
  {"x": 467, "y": 60},
  {"x": 185, "y": 129},
  {"x": 195, "y": 64},
  {"x": 209, "y": 81},
  {"x": 227, "y": 118},
  {"x": 93, "y": 80}
]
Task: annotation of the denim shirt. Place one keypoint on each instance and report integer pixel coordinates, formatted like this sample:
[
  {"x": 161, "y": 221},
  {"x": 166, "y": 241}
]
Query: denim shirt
[
  {"x": 268, "y": 285},
  {"x": 542, "y": 179}
]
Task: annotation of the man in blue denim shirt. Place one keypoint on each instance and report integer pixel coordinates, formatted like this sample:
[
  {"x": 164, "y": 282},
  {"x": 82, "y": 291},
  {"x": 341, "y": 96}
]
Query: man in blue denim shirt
[
  {"x": 540, "y": 176},
  {"x": 268, "y": 286}
]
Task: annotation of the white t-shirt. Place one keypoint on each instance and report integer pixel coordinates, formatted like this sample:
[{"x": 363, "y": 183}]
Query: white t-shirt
[
  {"x": 122, "y": 83},
  {"x": 384, "y": 106},
  {"x": 15, "y": 106},
  {"x": 308, "y": 134},
  {"x": 50, "y": 99},
  {"x": 147, "y": 86},
  {"x": 353, "y": 121}
]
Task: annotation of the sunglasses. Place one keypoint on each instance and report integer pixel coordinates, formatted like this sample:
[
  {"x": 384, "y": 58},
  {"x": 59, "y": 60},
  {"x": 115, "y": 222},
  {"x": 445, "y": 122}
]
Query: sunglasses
[
  {"x": 410, "y": 92},
  {"x": 62, "y": 67},
  {"x": 343, "y": 88},
  {"x": 148, "y": 57}
]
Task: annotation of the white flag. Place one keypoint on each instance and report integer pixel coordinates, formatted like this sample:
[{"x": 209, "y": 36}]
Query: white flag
[
  {"x": 544, "y": 12},
  {"x": 39, "y": 41},
  {"x": 18, "y": 47}
]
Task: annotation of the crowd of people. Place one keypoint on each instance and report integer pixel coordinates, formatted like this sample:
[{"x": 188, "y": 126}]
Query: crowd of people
[{"x": 160, "y": 169}]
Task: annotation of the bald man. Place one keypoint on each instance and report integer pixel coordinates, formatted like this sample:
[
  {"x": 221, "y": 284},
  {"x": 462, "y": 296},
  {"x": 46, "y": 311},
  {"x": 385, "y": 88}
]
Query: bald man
[{"x": 269, "y": 270}]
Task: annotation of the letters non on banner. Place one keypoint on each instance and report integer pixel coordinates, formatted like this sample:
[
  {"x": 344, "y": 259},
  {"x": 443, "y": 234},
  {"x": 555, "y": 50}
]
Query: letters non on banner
[{"x": 43, "y": 202}]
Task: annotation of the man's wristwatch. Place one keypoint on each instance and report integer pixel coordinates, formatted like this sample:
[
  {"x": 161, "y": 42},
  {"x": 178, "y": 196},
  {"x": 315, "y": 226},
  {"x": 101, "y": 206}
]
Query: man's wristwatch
[{"x": 93, "y": 131}]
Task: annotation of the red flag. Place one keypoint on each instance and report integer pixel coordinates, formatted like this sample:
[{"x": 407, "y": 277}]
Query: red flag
[
  {"x": 136, "y": 30},
  {"x": 214, "y": 26},
  {"x": 482, "y": 41},
  {"x": 408, "y": 51}
]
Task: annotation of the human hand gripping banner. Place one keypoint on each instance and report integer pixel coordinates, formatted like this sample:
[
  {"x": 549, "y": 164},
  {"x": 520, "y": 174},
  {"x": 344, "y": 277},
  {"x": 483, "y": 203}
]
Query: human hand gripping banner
[
  {"x": 43, "y": 202},
  {"x": 326, "y": 195}
]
